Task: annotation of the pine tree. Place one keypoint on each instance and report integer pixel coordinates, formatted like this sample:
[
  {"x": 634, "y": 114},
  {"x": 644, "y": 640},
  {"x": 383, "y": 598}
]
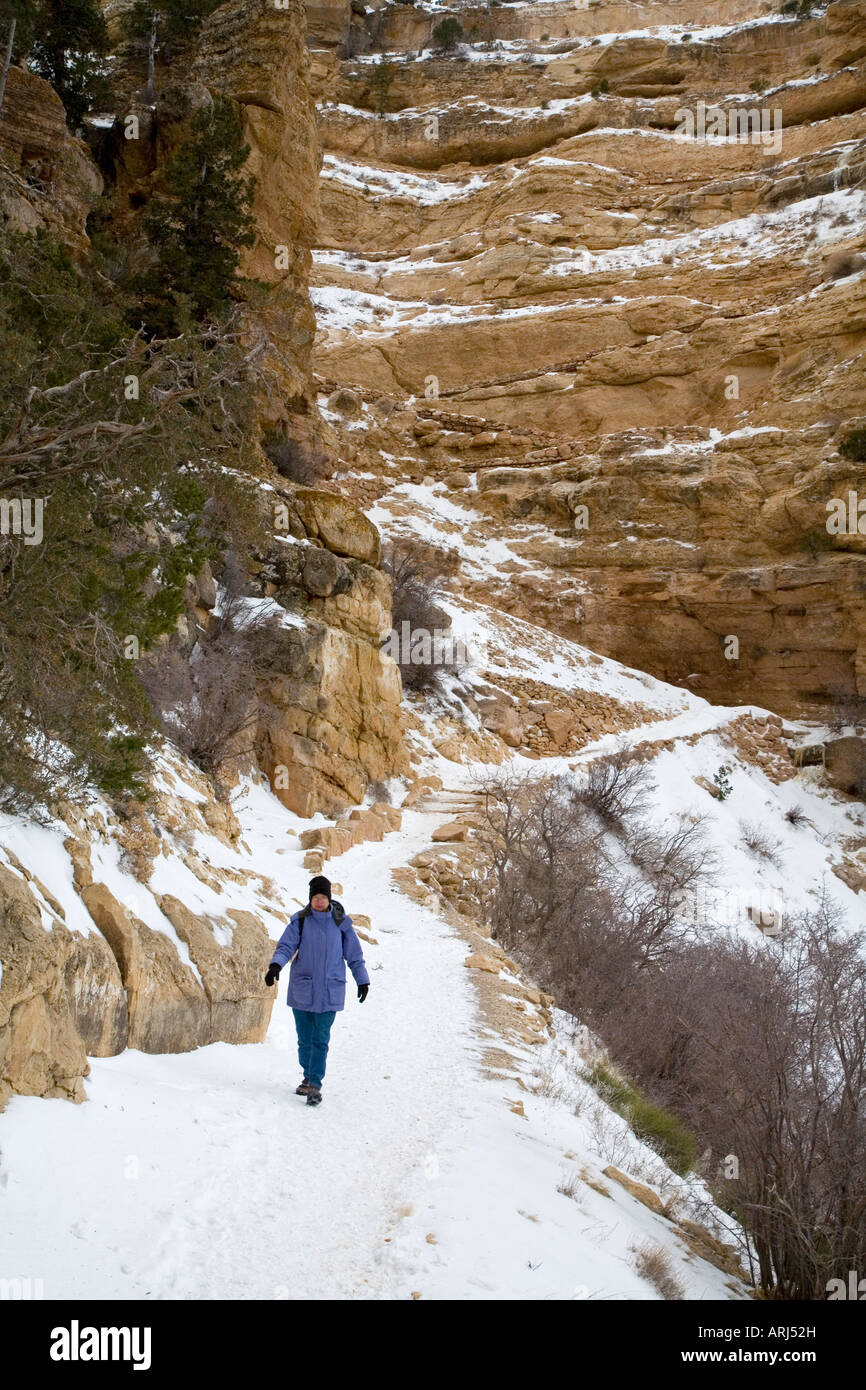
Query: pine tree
[
  {"x": 197, "y": 230},
  {"x": 381, "y": 77},
  {"x": 135, "y": 492},
  {"x": 64, "y": 41},
  {"x": 173, "y": 19}
]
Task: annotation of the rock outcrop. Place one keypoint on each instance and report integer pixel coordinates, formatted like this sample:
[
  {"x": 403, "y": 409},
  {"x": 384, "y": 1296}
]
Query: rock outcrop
[
  {"x": 47, "y": 178},
  {"x": 94, "y": 973}
]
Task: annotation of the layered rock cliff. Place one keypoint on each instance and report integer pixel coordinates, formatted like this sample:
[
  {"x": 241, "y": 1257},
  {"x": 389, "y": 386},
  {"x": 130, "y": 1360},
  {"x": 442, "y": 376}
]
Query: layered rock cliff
[{"x": 639, "y": 346}]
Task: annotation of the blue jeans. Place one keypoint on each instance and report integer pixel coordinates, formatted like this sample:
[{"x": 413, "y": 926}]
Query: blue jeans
[{"x": 314, "y": 1031}]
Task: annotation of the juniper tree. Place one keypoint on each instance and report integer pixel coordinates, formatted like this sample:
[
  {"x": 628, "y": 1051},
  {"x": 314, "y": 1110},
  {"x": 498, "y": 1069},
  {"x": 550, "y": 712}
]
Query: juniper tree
[
  {"x": 66, "y": 42},
  {"x": 197, "y": 228},
  {"x": 172, "y": 20},
  {"x": 448, "y": 33},
  {"x": 381, "y": 78},
  {"x": 132, "y": 448}
]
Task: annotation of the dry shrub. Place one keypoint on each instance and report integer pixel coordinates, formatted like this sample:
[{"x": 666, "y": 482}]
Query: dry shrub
[
  {"x": 760, "y": 842},
  {"x": 757, "y": 1047},
  {"x": 417, "y": 580},
  {"x": 843, "y": 263},
  {"x": 616, "y": 786},
  {"x": 653, "y": 1263},
  {"x": 298, "y": 460},
  {"x": 208, "y": 700}
]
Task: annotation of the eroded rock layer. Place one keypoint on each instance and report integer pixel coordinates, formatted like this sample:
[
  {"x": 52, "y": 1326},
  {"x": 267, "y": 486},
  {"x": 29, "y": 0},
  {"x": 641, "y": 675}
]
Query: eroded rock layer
[{"x": 601, "y": 269}]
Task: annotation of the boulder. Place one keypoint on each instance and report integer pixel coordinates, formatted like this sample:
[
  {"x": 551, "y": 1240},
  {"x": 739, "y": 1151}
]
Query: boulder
[
  {"x": 345, "y": 402},
  {"x": 445, "y": 834},
  {"x": 845, "y": 765},
  {"x": 478, "y": 962},
  {"x": 501, "y": 718},
  {"x": 338, "y": 524},
  {"x": 325, "y": 574},
  {"x": 421, "y": 788},
  {"x": 561, "y": 723}
]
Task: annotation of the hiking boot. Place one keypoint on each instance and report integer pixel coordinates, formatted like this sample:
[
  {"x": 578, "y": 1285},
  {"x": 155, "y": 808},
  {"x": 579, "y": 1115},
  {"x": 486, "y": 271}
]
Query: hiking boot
[
  {"x": 314, "y": 1095},
  {"x": 303, "y": 1088}
]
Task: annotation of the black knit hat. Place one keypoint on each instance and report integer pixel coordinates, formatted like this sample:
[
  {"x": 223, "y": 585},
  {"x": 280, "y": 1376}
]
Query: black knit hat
[{"x": 320, "y": 885}]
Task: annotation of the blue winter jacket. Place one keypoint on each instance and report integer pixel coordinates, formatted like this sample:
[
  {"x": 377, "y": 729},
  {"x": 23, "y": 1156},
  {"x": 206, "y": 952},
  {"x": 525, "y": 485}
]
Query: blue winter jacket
[{"x": 317, "y": 980}]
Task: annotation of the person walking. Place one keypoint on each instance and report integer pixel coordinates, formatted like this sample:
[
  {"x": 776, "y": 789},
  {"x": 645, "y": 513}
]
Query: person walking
[{"x": 320, "y": 941}]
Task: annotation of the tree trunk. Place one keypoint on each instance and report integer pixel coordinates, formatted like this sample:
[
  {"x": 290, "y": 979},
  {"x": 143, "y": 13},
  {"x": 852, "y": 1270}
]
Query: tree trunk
[{"x": 6, "y": 61}]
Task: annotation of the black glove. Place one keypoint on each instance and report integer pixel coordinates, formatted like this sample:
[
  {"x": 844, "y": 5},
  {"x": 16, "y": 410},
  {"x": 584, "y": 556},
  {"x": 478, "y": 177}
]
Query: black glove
[
  {"x": 362, "y": 992},
  {"x": 273, "y": 975}
]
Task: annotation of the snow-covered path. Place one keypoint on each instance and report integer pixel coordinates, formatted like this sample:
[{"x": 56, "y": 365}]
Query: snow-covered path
[{"x": 202, "y": 1175}]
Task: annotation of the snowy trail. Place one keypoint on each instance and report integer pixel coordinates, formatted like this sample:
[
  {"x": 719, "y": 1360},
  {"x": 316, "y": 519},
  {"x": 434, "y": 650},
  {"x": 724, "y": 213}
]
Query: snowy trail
[
  {"x": 201, "y": 1175},
  {"x": 242, "y": 1191}
]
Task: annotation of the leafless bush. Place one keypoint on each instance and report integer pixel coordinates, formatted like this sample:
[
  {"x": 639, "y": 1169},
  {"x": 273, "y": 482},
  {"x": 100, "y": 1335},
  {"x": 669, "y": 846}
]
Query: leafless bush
[
  {"x": 760, "y": 842},
  {"x": 414, "y": 566},
  {"x": 417, "y": 582},
  {"x": 848, "y": 709},
  {"x": 553, "y": 891},
  {"x": 679, "y": 854},
  {"x": 653, "y": 1263},
  {"x": 570, "y": 1185},
  {"x": 610, "y": 1136},
  {"x": 298, "y": 460},
  {"x": 843, "y": 263},
  {"x": 796, "y": 816},
  {"x": 208, "y": 700},
  {"x": 764, "y": 1056},
  {"x": 759, "y": 1049},
  {"x": 616, "y": 786}
]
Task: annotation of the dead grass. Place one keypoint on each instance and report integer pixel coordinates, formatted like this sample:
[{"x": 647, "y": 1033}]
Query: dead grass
[{"x": 653, "y": 1263}]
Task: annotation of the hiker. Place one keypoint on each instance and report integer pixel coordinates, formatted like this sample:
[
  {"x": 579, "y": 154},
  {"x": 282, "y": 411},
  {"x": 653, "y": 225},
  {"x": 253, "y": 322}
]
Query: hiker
[{"x": 318, "y": 940}]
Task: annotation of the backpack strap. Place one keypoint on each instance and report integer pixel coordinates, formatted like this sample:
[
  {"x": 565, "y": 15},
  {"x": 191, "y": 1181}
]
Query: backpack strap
[
  {"x": 338, "y": 912},
  {"x": 301, "y": 917}
]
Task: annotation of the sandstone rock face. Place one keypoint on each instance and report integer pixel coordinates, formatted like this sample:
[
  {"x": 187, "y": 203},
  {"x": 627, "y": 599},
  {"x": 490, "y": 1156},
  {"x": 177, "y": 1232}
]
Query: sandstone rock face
[
  {"x": 637, "y": 346},
  {"x": 331, "y": 722},
  {"x": 167, "y": 1006},
  {"x": 256, "y": 53},
  {"x": 239, "y": 1003},
  {"x": 845, "y": 765},
  {"x": 61, "y": 996},
  {"x": 47, "y": 179},
  {"x": 174, "y": 982}
]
